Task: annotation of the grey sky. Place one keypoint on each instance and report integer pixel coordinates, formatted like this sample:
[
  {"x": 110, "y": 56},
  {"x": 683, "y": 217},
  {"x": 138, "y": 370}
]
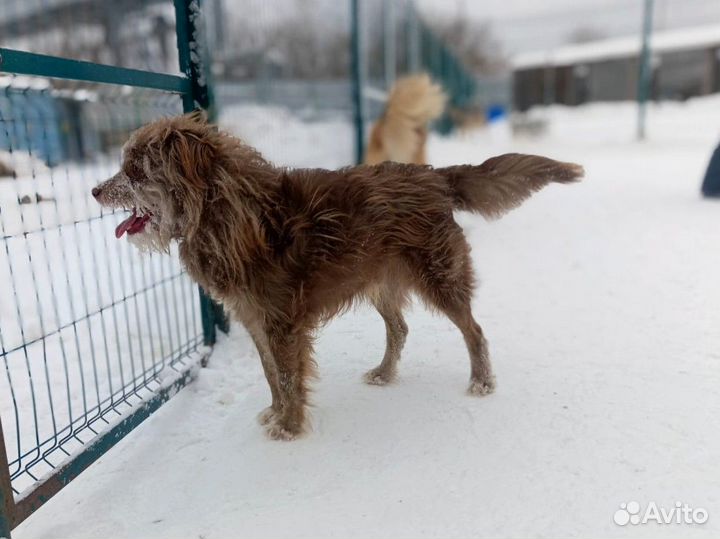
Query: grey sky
[
  {"x": 519, "y": 25},
  {"x": 523, "y": 25}
]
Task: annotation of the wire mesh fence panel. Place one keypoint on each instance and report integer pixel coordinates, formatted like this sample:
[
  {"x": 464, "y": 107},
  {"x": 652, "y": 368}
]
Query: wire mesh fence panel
[
  {"x": 88, "y": 324},
  {"x": 92, "y": 331},
  {"x": 281, "y": 77}
]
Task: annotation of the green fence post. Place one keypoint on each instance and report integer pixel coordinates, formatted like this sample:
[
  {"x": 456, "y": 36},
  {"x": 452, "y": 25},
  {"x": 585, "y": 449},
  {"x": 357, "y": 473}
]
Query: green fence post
[
  {"x": 7, "y": 502},
  {"x": 193, "y": 55},
  {"x": 357, "y": 82},
  {"x": 389, "y": 43},
  {"x": 194, "y": 64},
  {"x": 644, "y": 69},
  {"x": 413, "y": 44}
]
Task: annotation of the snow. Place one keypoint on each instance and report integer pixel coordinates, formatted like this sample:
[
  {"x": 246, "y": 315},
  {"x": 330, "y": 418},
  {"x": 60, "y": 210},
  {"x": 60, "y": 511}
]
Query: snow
[
  {"x": 276, "y": 133},
  {"x": 23, "y": 164},
  {"x": 600, "y": 303},
  {"x": 23, "y": 82},
  {"x": 197, "y": 54}
]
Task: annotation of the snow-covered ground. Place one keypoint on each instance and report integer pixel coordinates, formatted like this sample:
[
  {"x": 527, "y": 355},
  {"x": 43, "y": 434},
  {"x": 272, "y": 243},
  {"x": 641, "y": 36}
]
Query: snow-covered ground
[
  {"x": 285, "y": 139},
  {"x": 601, "y": 304}
]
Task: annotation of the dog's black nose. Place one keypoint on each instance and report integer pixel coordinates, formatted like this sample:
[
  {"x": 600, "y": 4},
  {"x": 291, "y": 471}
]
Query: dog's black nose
[{"x": 96, "y": 191}]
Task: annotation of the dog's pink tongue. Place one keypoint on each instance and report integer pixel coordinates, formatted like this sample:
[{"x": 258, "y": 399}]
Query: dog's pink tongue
[
  {"x": 138, "y": 225},
  {"x": 125, "y": 225}
]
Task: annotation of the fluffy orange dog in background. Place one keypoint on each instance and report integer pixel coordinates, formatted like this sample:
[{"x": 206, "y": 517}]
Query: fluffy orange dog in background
[{"x": 401, "y": 132}]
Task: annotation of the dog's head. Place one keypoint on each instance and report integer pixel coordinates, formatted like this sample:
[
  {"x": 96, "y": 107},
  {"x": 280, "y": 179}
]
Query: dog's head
[{"x": 167, "y": 167}]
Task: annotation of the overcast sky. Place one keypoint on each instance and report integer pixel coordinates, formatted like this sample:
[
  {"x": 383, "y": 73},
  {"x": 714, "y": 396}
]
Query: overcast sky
[
  {"x": 519, "y": 25},
  {"x": 525, "y": 24}
]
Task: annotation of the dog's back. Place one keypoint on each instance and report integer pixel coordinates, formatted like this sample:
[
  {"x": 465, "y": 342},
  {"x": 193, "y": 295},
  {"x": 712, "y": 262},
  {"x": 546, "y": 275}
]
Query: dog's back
[
  {"x": 400, "y": 134},
  {"x": 341, "y": 231}
]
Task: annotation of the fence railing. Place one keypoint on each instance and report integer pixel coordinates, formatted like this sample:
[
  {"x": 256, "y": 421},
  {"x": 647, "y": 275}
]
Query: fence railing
[{"x": 94, "y": 336}]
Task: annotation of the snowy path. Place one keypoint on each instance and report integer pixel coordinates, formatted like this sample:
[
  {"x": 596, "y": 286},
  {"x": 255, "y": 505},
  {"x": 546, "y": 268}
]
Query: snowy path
[{"x": 601, "y": 304}]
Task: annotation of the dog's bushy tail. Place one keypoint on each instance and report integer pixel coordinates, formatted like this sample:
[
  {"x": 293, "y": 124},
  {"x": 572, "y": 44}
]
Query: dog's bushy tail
[
  {"x": 504, "y": 182},
  {"x": 416, "y": 98}
]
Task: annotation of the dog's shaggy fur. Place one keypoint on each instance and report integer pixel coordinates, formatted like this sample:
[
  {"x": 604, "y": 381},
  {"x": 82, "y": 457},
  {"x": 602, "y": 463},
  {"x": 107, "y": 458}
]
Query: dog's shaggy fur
[
  {"x": 401, "y": 132},
  {"x": 286, "y": 250}
]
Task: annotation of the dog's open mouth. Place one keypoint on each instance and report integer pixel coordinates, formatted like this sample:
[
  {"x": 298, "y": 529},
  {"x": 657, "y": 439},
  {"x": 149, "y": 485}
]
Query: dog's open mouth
[{"x": 133, "y": 224}]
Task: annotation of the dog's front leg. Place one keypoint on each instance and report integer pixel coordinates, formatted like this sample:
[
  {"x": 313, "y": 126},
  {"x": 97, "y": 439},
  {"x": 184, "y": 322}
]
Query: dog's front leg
[
  {"x": 291, "y": 349},
  {"x": 259, "y": 337},
  {"x": 251, "y": 320}
]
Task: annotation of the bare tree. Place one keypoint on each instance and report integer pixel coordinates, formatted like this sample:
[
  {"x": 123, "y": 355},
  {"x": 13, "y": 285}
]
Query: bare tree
[
  {"x": 472, "y": 42},
  {"x": 297, "y": 46}
]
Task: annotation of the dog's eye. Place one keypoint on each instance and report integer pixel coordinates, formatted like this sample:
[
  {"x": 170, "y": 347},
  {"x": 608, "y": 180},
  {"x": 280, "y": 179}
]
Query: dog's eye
[{"x": 134, "y": 171}]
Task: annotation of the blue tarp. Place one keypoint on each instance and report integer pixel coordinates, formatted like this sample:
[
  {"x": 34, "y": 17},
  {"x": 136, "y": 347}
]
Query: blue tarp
[{"x": 29, "y": 121}]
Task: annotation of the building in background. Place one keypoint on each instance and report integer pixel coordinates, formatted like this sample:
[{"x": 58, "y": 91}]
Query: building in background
[{"x": 685, "y": 63}]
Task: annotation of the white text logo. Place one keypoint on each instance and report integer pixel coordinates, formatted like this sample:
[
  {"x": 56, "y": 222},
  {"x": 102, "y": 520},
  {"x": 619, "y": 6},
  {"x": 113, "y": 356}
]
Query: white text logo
[{"x": 680, "y": 513}]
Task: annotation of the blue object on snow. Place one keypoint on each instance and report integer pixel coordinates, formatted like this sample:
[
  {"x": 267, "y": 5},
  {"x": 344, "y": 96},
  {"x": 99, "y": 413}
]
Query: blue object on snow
[
  {"x": 711, "y": 183},
  {"x": 495, "y": 113}
]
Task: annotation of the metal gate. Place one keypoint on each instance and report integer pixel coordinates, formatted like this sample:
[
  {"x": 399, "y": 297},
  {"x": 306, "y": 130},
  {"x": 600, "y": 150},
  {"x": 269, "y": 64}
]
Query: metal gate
[{"x": 94, "y": 337}]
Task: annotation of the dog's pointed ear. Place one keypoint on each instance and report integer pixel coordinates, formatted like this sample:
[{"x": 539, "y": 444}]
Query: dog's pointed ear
[{"x": 198, "y": 116}]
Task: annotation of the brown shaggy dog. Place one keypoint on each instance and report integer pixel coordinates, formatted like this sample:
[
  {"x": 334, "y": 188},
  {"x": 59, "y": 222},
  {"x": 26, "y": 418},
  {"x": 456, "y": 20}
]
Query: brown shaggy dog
[
  {"x": 401, "y": 132},
  {"x": 286, "y": 250}
]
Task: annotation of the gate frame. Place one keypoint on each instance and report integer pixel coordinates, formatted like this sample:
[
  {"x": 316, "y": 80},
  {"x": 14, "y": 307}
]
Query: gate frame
[{"x": 194, "y": 86}]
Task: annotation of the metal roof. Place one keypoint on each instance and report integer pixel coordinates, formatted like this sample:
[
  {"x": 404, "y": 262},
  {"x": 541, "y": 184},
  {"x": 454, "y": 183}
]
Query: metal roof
[{"x": 698, "y": 37}]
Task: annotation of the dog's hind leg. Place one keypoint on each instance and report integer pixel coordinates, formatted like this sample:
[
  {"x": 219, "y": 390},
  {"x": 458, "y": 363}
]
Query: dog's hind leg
[
  {"x": 482, "y": 380},
  {"x": 390, "y": 308},
  {"x": 446, "y": 283}
]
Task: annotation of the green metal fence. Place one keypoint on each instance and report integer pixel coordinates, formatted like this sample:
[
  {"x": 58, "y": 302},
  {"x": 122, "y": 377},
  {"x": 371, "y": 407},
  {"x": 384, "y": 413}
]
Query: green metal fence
[
  {"x": 397, "y": 40},
  {"x": 94, "y": 337}
]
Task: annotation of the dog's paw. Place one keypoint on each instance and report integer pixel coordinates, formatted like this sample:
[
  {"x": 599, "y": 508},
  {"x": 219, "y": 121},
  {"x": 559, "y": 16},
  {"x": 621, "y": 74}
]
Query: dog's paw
[
  {"x": 480, "y": 388},
  {"x": 267, "y": 416},
  {"x": 276, "y": 431},
  {"x": 378, "y": 377}
]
